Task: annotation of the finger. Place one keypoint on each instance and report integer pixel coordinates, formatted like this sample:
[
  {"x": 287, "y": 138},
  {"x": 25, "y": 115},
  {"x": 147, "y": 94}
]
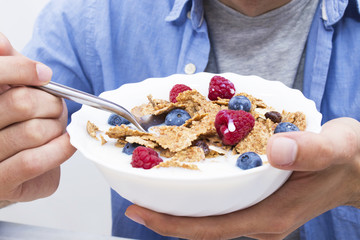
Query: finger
[
  {"x": 19, "y": 70},
  {"x": 6, "y": 49},
  {"x": 23, "y": 103},
  {"x": 41, "y": 186},
  {"x": 216, "y": 227},
  {"x": 32, "y": 163},
  {"x": 4, "y": 88},
  {"x": 277, "y": 236},
  {"x": 337, "y": 143},
  {"x": 268, "y": 236},
  {"x": 29, "y": 134},
  {"x": 174, "y": 226}
]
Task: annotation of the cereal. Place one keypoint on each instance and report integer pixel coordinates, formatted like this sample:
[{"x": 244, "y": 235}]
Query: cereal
[
  {"x": 174, "y": 138},
  {"x": 297, "y": 118},
  {"x": 168, "y": 164},
  {"x": 196, "y": 140},
  {"x": 92, "y": 129},
  {"x": 123, "y": 131},
  {"x": 190, "y": 154},
  {"x": 103, "y": 140},
  {"x": 141, "y": 141},
  {"x": 155, "y": 107},
  {"x": 256, "y": 140}
]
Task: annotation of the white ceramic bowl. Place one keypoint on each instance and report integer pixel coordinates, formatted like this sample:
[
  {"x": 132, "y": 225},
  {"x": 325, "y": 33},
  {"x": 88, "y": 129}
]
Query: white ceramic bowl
[{"x": 215, "y": 190}]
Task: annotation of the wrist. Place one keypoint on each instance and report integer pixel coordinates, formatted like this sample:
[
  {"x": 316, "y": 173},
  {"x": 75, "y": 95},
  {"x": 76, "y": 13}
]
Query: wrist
[
  {"x": 354, "y": 167},
  {"x": 354, "y": 199}
]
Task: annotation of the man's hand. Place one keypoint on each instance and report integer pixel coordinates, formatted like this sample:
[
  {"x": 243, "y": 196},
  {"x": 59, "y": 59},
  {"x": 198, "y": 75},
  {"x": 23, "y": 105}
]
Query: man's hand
[
  {"x": 326, "y": 175},
  {"x": 33, "y": 141}
]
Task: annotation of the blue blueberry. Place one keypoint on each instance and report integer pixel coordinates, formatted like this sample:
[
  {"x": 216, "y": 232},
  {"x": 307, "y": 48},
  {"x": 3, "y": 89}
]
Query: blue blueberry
[
  {"x": 286, "y": 127},
  {"x": 177, "y": 117},
  {"x": 240, "y": 103},
  {"x": 130, "y": 147},
  {"x": 248, "y": 160},
  {"x": 117, "y": 120}
]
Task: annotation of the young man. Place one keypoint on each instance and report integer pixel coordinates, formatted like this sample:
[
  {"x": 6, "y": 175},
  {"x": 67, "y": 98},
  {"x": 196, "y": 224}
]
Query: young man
[{"x": 310, "y": 45}]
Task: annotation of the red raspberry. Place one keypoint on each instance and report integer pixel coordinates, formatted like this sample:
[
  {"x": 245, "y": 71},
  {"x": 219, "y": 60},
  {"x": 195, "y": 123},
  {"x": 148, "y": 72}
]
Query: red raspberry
[
  {"x": 145, "y": 158},
  {"x": 176, "y": 89},
  {"x": 233, "y": 125},
  {"x": 220, "y": 87}
]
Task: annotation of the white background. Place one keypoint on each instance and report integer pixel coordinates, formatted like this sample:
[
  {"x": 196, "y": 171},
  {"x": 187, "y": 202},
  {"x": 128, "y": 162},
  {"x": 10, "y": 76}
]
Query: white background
[{"x": 82, "y": 202}]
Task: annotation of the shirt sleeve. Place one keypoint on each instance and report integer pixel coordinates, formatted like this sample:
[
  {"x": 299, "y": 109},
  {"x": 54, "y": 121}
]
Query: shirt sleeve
[{"x": 60, "y": 39}]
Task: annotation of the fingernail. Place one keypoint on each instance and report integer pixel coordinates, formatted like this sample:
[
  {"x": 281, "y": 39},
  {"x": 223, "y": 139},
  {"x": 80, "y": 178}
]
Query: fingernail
[
  {"x": 136, "y": 218},
  {"x": 44, "y": 72},
  {"x": 283, "y": 151}
]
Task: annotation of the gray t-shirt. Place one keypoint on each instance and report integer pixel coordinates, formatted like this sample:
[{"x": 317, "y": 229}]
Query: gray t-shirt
[{"x": 271, "y": 45}]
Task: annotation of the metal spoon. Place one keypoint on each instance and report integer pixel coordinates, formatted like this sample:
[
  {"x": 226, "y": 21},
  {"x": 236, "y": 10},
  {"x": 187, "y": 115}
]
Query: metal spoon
[{"x": 78, "y": 96}]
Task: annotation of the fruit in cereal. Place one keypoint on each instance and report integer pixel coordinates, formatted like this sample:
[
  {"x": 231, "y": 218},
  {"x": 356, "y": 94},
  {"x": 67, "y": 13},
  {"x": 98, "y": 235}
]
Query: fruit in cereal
[
  {"x": 129, "y": 148},
  {"x": 233, "y": 125},
  {"x": 176, "y": 117},
  {"x": 248, "y": 160},
  {"x": 116, "y": 120},
  {"x": 220, "y": 87},
  {"x": 274, "y": 116},
  {"x": 286, "y": 127},
  {"x": 240, "y": 103},
  {"x": 145, "y": 158},
  {"x": 175, "y": 90}
]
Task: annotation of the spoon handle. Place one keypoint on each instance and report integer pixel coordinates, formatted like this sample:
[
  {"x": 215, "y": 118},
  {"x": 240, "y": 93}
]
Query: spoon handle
[{"x": 90, "y": 100}]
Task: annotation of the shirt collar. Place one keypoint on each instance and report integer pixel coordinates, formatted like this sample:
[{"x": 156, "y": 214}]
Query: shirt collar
[
  {"x": 333, "y": 10},
  {"x": 181, "y": 7}
]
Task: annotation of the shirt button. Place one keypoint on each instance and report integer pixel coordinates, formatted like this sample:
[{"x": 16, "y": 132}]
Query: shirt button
[
  {"x": 190, "y": 68},
  {"x": 188, "y": 14}
]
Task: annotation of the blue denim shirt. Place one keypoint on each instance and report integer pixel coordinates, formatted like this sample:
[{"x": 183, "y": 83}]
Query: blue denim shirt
[{"x": 98, "y": 45}]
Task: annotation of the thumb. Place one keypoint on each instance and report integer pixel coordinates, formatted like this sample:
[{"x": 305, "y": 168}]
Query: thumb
[
  {"x": 337, "y": 143},
  {"x": 16, "y": 69},
  {"x": 23, "y": 71}
]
